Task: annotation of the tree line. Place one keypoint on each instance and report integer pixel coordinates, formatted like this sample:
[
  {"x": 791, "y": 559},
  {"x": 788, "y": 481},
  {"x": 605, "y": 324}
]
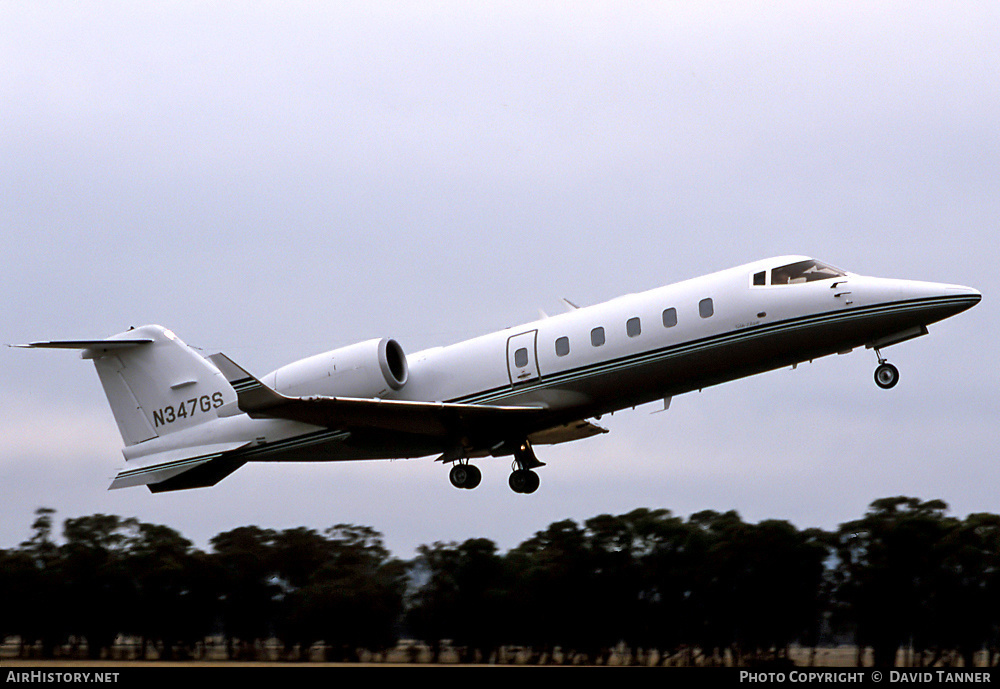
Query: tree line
[{"x": 710, "y": 587}]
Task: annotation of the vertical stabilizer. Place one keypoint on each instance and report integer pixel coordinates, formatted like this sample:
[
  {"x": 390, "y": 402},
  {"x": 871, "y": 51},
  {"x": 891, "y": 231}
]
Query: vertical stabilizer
[{"x": 155, "y": 384}]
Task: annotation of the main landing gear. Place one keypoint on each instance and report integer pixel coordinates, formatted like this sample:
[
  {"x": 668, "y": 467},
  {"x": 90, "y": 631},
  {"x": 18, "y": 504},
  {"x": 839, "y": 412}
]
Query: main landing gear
[
  {"x": 523, "y": 481},
  {"x": 465, "y": 476},
  {"x": 886, "y": 375},
  {"x": 522, "y": 478}
]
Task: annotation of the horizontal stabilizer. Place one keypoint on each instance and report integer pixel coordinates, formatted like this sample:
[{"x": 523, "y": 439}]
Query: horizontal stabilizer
[
  {"x": 198, "y": 466},
  {"x": 94, "y": 347},
  {"x": 435, "y": 419}
]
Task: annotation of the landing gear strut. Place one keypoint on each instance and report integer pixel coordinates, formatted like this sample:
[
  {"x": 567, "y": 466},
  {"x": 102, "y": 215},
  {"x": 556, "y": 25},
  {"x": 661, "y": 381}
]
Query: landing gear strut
[
  {"x": 465, "y": 476},
  {"x": 886, "y": 375},
  {"x": 522, "y": 478}
]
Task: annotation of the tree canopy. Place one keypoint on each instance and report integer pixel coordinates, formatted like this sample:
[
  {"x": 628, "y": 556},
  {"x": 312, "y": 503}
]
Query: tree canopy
[{"x": 710, "y": 588}]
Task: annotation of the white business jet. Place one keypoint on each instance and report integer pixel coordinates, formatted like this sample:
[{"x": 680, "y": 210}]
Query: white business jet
[{"x": 189, "y": 421}]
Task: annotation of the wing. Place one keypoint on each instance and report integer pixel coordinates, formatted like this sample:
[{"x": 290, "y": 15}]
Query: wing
[{"x": 434, "y": 419}]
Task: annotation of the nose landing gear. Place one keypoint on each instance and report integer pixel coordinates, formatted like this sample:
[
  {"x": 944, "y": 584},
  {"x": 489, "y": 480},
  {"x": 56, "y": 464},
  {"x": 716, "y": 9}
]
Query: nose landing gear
[{"x": 886, "y": 375}]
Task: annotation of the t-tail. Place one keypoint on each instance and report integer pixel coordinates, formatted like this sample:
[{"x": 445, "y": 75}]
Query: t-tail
[{"x": 162, "y": 394}]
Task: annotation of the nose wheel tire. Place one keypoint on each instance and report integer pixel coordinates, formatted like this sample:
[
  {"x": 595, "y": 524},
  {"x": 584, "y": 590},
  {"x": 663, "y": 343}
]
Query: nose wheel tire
[
  {"x": 465, "y": 476},
  {"x": 886, "y": 376}
]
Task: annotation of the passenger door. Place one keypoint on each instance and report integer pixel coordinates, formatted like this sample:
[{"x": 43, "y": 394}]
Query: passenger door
[{"x": 522, "y": 357}]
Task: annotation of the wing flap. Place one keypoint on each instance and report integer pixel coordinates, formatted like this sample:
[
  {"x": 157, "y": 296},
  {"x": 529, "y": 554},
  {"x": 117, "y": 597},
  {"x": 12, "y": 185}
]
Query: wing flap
[{"x": 576, "y": 430}]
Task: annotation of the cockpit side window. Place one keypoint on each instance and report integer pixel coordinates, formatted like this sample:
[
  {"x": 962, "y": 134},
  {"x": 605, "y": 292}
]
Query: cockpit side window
[
  {"x": 803, "y": 271},
  {"x": 759, "y": 278}
]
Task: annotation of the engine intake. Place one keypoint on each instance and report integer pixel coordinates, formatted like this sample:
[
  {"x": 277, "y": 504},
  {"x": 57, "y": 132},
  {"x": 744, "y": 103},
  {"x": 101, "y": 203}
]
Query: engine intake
[{"x": 392, "y": 361}]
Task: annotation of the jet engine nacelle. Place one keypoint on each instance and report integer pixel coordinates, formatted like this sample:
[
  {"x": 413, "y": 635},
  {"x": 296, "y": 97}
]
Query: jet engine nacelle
[{"x": 368, "y": 369}]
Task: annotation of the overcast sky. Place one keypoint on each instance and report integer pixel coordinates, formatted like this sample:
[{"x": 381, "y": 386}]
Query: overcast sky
[{"x": 273, "y": 180}]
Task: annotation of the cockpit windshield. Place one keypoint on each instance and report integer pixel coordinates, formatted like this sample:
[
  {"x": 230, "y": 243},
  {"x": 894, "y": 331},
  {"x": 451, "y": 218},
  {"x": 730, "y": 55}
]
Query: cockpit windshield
[{"x": 804, "y": 271}]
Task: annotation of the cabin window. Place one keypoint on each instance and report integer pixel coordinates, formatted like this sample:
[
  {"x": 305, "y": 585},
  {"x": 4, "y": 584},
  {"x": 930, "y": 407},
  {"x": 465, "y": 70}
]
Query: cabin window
[
  {"x": 597, "y": 337},
  {"x": 760, "y": 278},
  {"x": 669, "y": 318},
  {"x": 633, "y": 327},
  {"x": 521, "y": 357},
  {"x": 706, "y": 308},
  {"x": 562, "y": 346}
]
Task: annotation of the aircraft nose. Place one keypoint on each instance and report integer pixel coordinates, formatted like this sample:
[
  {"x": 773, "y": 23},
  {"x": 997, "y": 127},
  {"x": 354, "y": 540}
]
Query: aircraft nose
[
  {"x": 949, "y": 299},
  {"x": 917, "y": 289},
  {"x": 933, "y": 300},
  {"x": 965, "y": 296}
]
